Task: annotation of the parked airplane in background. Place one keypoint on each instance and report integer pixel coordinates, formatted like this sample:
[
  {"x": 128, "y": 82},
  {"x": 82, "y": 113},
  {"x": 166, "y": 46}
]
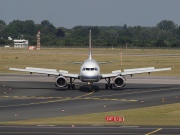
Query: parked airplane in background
[{"x": 90, "y": 72}]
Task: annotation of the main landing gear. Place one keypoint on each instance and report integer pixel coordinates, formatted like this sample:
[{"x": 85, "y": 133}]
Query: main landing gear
[
  {"x": 108, "y": 85},
  {"x": 71, "y": 84}
]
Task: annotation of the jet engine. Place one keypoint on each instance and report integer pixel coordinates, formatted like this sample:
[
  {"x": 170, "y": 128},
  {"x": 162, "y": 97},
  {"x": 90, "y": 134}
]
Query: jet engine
[
  {"x": 119, "y": 81},
  {"x": 60, "y": 81}
]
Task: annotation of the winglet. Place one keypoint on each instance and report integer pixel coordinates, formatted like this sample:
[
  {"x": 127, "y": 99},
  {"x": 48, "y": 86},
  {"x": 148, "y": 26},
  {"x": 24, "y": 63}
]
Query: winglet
[{"x": 90, "y": 55}]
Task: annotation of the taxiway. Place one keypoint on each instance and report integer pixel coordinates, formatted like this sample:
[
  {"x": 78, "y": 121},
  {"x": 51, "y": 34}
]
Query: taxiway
[{"x": 35, "y": 96}]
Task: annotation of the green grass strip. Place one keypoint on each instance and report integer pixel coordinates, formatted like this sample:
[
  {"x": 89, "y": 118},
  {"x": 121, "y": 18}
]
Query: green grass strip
[{"x": 163, "y": 115}]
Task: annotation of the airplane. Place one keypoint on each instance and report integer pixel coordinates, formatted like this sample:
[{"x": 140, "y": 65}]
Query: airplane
[{"x": 90, "y": 73}]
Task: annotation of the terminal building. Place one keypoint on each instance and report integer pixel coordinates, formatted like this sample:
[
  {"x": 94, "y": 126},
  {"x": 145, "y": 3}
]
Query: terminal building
[{"x": 21, "y": 43}]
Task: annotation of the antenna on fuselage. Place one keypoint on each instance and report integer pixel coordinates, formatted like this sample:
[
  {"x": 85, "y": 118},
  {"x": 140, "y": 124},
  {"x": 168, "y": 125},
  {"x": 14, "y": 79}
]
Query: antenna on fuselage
[{"x": 90, "y": 57}]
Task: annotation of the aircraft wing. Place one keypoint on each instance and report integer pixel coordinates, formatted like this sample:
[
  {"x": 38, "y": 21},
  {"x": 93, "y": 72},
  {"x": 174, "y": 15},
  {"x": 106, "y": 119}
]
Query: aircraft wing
[
  {"x": 143, "y": 70},
  {"x": 133, "y": 71},
  {"x": 113, "y": 74},
  {"x": 71, "y": 75},
  {"x": 46, "y": 71}
]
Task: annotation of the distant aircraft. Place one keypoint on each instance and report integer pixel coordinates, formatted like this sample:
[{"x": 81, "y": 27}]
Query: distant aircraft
[{"x": 90, "y": 72}]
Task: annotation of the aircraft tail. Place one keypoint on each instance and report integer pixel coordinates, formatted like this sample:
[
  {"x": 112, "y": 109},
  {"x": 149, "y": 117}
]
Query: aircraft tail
[{"x": 90, "y": 54}]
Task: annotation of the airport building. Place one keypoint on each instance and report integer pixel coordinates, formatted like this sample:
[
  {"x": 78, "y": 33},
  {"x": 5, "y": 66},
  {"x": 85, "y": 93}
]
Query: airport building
[{"x": 21, "y": 43}]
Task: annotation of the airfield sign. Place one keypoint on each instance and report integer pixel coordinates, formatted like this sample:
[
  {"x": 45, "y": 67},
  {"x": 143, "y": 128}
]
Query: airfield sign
[{"x": 115, "y": 118}]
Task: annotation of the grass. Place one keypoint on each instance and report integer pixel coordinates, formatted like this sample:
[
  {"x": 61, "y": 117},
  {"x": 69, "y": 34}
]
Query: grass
[
  {"x": 163, "y": 115},
  {"x": 57, "y": 59}
]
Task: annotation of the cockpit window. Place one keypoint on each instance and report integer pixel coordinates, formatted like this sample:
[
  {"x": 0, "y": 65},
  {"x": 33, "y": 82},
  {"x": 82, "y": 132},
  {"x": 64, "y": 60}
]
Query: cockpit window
[
  {"x": 89, "y": 69},
  {"x": 92, "y": 69}
]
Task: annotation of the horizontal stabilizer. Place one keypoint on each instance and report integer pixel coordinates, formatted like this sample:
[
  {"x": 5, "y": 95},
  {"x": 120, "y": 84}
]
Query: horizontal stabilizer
[
  {"x": 77, "y": 62},
  {"x": 74, "y": 62},
  {"x": 105, "y": 62}
]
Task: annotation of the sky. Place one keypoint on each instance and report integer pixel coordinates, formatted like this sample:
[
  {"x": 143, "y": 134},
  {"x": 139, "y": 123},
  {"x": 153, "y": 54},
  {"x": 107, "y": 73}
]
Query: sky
[{"x": 70, "y": 13}]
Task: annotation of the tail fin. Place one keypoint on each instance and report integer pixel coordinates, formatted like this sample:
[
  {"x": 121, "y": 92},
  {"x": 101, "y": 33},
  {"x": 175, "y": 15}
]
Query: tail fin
[{"x": 90, "y": 55}]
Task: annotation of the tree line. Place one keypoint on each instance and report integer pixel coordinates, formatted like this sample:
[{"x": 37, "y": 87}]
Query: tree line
[{"x": 165, "y": 34}]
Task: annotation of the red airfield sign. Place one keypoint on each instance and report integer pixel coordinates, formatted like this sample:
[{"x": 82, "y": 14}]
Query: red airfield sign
[{"x": 115, "y": 118}]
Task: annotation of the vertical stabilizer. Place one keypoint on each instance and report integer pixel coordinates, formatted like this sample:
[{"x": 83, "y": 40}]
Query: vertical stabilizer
[{"x": 90, "y": 57}]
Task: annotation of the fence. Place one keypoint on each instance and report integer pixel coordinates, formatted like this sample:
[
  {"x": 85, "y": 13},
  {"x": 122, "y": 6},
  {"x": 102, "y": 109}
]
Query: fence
[{"x": 105, "y": 47}]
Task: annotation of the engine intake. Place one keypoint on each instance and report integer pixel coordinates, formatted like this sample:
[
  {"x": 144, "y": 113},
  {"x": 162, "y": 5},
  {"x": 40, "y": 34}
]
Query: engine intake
[
  {"x": 119, "y": 81},
  {"x": 60, "y": 81}
]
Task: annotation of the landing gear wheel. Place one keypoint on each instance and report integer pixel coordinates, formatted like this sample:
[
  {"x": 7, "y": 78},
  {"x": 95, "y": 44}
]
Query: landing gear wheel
[
  {"x": 106, "y": 86},
  {"x": 69, "y": 86},
  {"x": 73, "y": 86},
  {"x": 110, "y": 86}
]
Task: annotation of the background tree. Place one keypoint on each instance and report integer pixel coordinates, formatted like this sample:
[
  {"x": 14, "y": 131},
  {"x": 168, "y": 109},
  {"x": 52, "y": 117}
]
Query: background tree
[
  {"x": 125, "y": 27},
  {"x": 60, "y": 33},
  {"x": 165, "y": 34},
  {"x": 160, "y": 43},
  {"x": 2, "y": 25},
  {"x": 45, "y": 23},
  {"x": 166, "y": 25}
]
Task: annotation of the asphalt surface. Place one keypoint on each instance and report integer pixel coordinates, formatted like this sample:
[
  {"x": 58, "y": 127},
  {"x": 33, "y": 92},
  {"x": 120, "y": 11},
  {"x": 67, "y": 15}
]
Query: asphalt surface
[
  {"x": 35, "y": 96},
  {"x": 123, "y": 130}
]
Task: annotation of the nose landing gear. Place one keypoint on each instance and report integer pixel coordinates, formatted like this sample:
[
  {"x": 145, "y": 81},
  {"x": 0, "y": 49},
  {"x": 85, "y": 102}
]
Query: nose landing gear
[{"x": 90, "y": 85}]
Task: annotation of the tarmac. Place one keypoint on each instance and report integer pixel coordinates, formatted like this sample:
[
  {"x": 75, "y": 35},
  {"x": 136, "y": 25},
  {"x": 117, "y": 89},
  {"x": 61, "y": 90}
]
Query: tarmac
[{"x": 35, "y": 96}]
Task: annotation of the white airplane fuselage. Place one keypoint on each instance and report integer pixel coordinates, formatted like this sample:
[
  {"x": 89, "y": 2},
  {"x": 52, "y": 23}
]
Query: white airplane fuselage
[{"x": 90, "y": 71}]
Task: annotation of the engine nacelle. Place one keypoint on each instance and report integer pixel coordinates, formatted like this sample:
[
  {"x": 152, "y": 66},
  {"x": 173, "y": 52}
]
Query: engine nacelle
[
  {"x": 119, "y": 81},
  {"x": 60, "y": 81}
]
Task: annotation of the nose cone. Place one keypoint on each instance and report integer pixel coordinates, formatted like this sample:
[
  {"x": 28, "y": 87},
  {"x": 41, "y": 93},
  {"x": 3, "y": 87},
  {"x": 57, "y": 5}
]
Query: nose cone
[{"x": 90, "y": 76}]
